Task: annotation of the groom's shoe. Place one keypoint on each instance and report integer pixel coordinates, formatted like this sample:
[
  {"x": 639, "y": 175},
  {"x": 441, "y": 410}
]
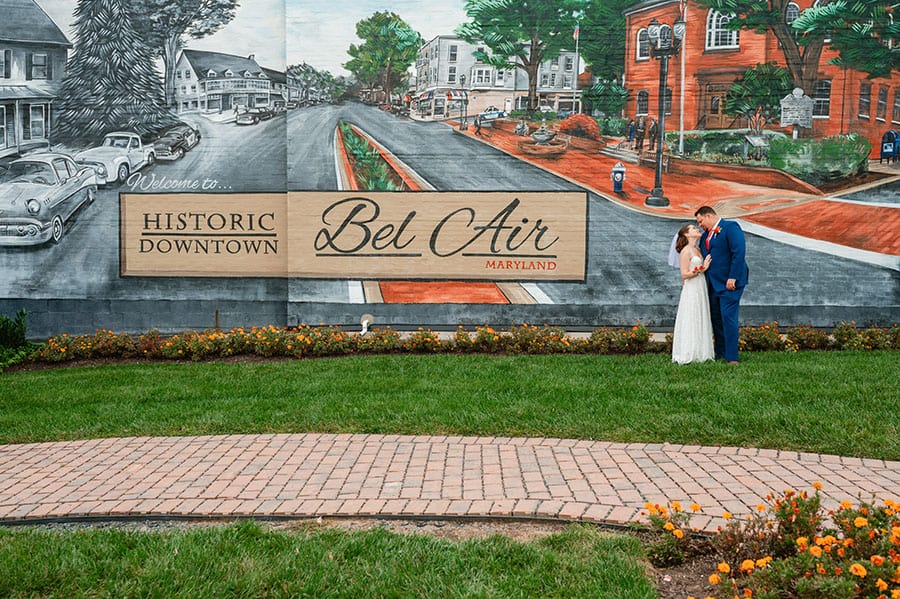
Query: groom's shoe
[{"x": 733, "y": 362}]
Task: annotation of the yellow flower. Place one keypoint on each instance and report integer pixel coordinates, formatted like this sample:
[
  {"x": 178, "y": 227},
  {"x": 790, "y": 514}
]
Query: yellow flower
[
  {"x": 714, "y": 579},
  {"x": 669, "y": 526},
  {"x": 748, "y": 565},
  {"x": 679, "y": 534},
  {"x": 763, "y": 562},
  {"x": 802, "y": 543},
  {"x": 846, "y": 504},
  {"x": 860, "y": 522},
  {"x": 723, "y": 568},
  {"x": 817, "y": 486},
  {"x": 881, "y": 585},
  {"x": 760, "y": 507},
  {"x": 695, "y": 507},
  {"x": 858, "y": 570},
  {"x": 815, "y": 551},
  {"x": 727, "y": 515},
  {"x": 676, "y": 506}
]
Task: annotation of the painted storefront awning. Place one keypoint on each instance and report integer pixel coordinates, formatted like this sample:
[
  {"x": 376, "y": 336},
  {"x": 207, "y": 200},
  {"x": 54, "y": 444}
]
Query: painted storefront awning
[
  {"x": 454, "y": 94},
  {"x": 24, "y": 92},
  {"x": 425, "y": 95}
]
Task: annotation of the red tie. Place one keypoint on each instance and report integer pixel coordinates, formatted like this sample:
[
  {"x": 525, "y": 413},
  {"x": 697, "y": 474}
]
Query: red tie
[{"x": 708, "y": 235}]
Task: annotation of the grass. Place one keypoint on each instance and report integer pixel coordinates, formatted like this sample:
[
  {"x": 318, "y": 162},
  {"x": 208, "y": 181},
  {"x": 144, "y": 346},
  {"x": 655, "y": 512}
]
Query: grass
[
  {"x": 246, "y": 560},
  {"x": 830, "y": 402}
]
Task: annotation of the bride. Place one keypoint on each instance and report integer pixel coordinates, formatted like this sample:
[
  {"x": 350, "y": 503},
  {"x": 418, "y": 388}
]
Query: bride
[{"x": 692, "y": 340}]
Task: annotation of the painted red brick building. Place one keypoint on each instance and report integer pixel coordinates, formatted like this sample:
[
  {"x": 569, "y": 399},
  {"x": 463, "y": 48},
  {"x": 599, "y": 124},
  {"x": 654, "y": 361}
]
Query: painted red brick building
[{"x": 713, "y": 57}]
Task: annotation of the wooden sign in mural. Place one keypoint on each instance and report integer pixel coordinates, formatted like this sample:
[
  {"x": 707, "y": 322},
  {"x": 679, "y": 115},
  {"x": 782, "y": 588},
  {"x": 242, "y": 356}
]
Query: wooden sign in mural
[{"x": 363, "y": 235}]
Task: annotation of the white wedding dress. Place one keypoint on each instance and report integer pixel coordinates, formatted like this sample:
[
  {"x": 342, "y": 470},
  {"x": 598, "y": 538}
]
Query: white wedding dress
[{"x": 692, "y": 340}]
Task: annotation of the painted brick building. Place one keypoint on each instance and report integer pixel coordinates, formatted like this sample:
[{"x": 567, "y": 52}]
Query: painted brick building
[{"x": 713, "y": 57}]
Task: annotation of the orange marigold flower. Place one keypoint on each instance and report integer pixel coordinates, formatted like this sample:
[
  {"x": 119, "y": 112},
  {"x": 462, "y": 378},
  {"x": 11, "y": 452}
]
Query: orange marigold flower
[
  {"x": 727, "y": 515},
  {"x": 858, "y": 570},
  {"x": 846, "y": 504},
  {"x": 815, "y": 551},
  {"x": 723, "y": 567},
  {"x": 695, "y": 507},
  {"x": 763, "y": 562},
  {"x": 748, "y": 565},
  {"x": 714, "y": 579},
  {"x": 817, "y": 486},
  {"x": 802, "y": 543},
  {"x": 760, "y": 507},
  {"x": 676, "y": 506},
  {"x": 881, "y": 585},
  {"x": 877, "y": 560},
  {"x": 679, "y": 534},
  {"x": 860, "y": 522},
  {"x": 669, "y": 526}
]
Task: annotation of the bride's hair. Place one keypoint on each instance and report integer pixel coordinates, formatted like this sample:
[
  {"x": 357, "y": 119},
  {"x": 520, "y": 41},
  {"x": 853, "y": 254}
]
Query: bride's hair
[{"x": 682, "y": 241}]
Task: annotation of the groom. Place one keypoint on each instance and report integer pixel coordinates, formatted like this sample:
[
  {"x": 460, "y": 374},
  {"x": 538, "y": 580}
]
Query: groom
[{"x": 725, "y": 279}]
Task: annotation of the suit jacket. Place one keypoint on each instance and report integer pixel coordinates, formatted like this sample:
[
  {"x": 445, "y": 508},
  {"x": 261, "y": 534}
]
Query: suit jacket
[{"x": 728, "y": 251}]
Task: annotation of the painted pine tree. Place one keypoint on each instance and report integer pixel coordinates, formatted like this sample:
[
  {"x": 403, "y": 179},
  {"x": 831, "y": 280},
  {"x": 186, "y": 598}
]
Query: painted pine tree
[{"x": 111, "y": 79}]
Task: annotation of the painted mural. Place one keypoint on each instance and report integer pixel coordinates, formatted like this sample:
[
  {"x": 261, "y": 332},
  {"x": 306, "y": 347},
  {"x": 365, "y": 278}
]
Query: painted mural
[{"x": 176, "y": 164}]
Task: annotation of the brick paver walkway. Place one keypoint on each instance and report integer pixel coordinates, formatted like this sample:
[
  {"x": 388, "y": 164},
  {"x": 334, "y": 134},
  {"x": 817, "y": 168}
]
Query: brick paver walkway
[{"x": 307, "y": 475}]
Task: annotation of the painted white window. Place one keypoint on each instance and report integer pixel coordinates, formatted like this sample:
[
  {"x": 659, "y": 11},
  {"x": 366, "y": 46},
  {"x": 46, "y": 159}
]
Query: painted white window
[
  {"x": 881, "y": 108},
  {"x": 454, "y": 49},
  {"x": 865, "y": 99},
  {"x": 643, "y": 45},
  {"x": 717, "y": 36},
  {"x": 451, "y": 75},
  {"x": 822, "y": 98},
  {"x": 482, "y": 76}
]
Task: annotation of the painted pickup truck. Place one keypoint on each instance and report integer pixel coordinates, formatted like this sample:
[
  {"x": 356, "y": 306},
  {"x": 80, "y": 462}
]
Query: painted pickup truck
[{"x": 120, "y": 154}]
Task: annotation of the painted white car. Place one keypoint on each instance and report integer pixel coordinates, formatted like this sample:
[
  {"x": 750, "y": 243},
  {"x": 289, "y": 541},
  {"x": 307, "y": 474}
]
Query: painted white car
[
  {"x": 39, "y": 195},
  {"x": 120, "y": 154}
]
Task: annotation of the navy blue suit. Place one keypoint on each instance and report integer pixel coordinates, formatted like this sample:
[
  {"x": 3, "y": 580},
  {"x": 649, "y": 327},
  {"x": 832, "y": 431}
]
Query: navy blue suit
[{"x": 728, "y": 249}]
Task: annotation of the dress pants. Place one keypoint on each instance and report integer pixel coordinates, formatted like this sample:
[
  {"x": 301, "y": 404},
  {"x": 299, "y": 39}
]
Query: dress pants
[{"x": 723, "y": 309}]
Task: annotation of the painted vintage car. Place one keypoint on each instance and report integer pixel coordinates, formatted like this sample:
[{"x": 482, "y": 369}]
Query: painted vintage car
[
  {"x": 252, "y": 116},
  {"x": 39, "y": 195},
  {"x": 175, "y": 141},
  {"x": 120, "y": 154}
]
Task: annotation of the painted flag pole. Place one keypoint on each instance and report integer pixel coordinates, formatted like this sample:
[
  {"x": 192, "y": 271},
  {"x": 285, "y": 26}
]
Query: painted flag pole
[
  {"x": 681, "y": 84},
  {"x": 575, "y": 84}
]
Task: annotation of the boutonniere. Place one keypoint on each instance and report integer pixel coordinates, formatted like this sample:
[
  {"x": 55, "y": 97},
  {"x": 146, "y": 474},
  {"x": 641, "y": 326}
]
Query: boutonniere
[{"x": 716, "y": 231}]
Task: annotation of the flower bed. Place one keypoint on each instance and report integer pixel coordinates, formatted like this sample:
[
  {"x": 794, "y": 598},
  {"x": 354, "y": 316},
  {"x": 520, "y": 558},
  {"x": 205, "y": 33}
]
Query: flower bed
[
  {"x": 791, "y": 548},
  {"x": 307, "y": 341}
]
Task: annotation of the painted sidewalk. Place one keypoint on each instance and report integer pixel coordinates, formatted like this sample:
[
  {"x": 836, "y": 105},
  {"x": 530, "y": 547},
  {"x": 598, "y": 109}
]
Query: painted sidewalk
[
  {"x": 857, "y": 225},
  {"x": 332, "y": 475}
]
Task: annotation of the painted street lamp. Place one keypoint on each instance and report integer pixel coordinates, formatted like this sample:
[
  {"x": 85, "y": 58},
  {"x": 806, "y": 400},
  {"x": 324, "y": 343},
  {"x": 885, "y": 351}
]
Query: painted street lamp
[{"x": 665, "y": 42}]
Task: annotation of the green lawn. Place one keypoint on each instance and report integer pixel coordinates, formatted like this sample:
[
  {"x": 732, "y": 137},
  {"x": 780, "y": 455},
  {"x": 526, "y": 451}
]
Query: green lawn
[
  {"x": 246, "y": 560},
  {"x": 831, "y": 402}
]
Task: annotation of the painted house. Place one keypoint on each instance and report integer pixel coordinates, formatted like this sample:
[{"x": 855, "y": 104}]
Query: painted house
[
  {"x": 845, "y": 101},
  {"x": 447, "y": 74},
  {"x": 214, "y": 82},
  {"x": 279, "y": 88},
  {"x": 33, "y": 53}
]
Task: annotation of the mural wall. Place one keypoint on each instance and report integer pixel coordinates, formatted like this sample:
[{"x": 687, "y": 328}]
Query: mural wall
[{"x": 237, "y": 163}]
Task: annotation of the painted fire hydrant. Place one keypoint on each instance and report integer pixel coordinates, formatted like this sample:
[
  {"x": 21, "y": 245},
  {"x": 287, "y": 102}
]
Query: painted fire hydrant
[{"x": 618, "y": 177}]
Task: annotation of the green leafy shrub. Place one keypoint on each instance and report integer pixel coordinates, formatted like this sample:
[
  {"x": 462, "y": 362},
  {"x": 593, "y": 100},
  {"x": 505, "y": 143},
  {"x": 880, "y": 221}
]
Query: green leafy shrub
[
  {"x": 530, "y": 339},
  {"x": 845, "y": 335},
  {"x": 13, "y": 331},
  {"x": 423, "y": 342},
  {"x": 819, "y": 161}
]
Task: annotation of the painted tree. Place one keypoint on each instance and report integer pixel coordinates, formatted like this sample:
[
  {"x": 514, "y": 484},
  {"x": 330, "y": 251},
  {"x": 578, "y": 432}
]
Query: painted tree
[
  {"x": 802, "y": 51},
  {"x": 110, "y": 81},
  {"x": 862, "y": 31},
  {"x": 757, "y": 95},
  {"x": 163, "y": 24},
  {"x": 521, "y": 34},
  {"x": 601, "y": 42},
  {"x": 389, "y": 48}
]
